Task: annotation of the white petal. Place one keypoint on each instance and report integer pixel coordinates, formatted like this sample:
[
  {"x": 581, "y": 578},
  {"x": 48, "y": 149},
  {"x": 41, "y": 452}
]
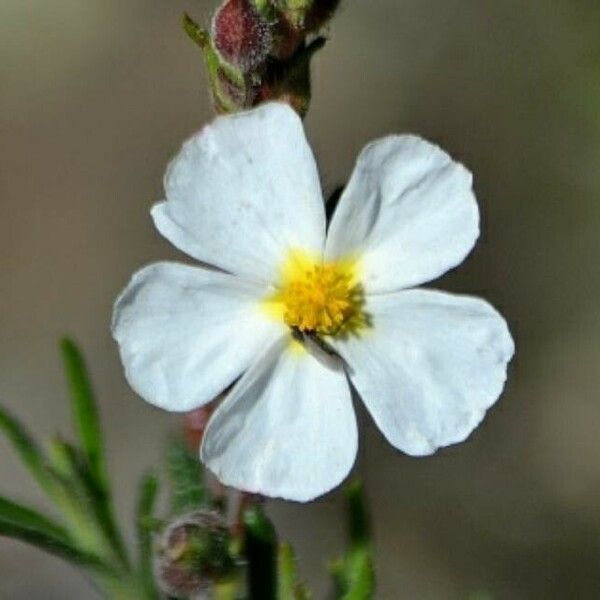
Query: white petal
[
  {"x": 244, "y": 191},
  {"x": 430, "y": 366},
  {"x": 287, "y": 429},
  {"x": 408, "y": 213},
  {"x": 186, "y": 333}
]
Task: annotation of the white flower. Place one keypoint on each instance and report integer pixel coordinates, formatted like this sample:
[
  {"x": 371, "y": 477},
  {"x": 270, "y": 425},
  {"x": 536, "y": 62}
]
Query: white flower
[{"x": 289, "y": 312}]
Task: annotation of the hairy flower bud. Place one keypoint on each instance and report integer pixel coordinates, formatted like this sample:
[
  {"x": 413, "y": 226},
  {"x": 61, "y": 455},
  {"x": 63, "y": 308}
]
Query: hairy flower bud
[
  {"x": 241, "y": 34},
  {"x": 193, "y": 554}
]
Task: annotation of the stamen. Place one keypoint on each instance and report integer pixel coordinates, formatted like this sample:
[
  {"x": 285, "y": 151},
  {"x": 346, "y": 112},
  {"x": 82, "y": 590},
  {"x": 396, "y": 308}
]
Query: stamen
[{"x": 319, "y": 298}]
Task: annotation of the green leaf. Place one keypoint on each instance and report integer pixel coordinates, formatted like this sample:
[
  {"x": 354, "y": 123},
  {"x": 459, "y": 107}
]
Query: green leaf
[
  {"x": 148, "y": 492},
  {"x": 11, "y": 512},
  {"x": 92, "y": 515},
  {"x": 198, "y": 35},
  {"x": 25, "y": 524},
  {"x": 26, "y": 448},
  {"x": 89, "y": 468},
  {"x": 261, "y": 554},
  {"x": 188, "y": 491},
  {"x": 289, "y": 588},
  {"x": 85, "y": 411}
]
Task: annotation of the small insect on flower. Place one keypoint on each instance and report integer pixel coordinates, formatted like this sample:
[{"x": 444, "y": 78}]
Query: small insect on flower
[{"x": 290, "y": 312}]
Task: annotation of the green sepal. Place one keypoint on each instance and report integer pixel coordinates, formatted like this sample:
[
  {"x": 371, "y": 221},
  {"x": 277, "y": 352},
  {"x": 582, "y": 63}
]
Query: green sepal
[
  {"x": 295, "y": 11},
  {"x": 227, "y": 82},
  {"x": 307, "y": 16}
]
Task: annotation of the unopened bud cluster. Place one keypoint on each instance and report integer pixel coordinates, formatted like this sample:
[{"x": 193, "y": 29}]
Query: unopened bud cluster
[
  {"x": 259, "y": 50},
  {"x": 193, "y": 555}
]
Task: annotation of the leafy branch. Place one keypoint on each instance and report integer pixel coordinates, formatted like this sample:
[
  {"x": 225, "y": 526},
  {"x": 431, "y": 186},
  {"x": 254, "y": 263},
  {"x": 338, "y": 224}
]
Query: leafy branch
[{"x": 75, "y": 481}]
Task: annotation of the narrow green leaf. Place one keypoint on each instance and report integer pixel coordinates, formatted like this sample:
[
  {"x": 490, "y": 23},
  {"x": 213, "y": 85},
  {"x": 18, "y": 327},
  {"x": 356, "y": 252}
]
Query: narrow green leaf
[
  {"x": 289, "y": 588},
  {"x": 148, "y": 491},
  {"x": 26, "y": 524},
  {"x": 85, "y": 411},
  {"x": 26, "y": 448},
  {"x": 75, "y": 470},
  {"x": 73, "y": 500},
  {"x": 195, "y": 32},
  {"x": 185, "y": 473},
  {"x": 51, "y": 545},
  {"x": 261, "y": 554},
  {"x": 89, "y": 467},
  {"x": 27, "y": 518}
]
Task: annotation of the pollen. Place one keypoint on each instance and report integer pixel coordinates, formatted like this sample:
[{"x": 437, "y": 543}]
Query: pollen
[{"x": 319, "y": 297}]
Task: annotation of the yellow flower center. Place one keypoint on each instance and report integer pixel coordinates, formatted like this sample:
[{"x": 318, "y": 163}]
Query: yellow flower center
[
  {"x": 319, "y": 297},
  {"x": 320, "y": 300}
]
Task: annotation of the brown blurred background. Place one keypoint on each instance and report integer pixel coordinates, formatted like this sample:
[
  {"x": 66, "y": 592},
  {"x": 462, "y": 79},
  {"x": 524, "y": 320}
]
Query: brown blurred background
[{"x": 97, "y": 95}]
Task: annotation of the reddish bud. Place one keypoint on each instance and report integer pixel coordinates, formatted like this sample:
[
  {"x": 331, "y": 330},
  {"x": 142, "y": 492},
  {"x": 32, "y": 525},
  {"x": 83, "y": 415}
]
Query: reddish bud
[{"x": 241, "y": 35}]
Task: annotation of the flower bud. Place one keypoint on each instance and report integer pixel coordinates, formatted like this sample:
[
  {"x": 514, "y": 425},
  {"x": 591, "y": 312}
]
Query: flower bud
[
  {"x": 241, "y": 35},
  {"x": 193, "y": 554}
]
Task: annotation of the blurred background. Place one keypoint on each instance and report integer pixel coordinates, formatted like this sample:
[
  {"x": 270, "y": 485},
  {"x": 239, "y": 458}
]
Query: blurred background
[{"x": 96, "y": 96}]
